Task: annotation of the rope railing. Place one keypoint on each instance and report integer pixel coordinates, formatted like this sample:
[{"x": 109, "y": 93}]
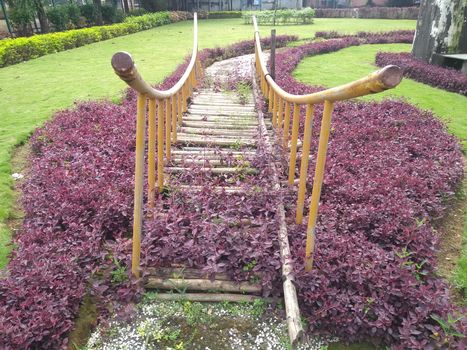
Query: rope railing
[
  {"x": 165, "y": 110},
  {"x": 281, "y": 103}
]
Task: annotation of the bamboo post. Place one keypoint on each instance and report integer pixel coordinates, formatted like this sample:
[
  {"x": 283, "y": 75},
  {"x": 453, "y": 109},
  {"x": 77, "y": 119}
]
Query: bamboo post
[
  {"x": 151, "y": 151},
  {"x": 270, "y": 100},
  {"x": 286, "y": 124},
  {"x": 173, "y": 102},
  {"x": 139, "y": 178},
  {"x": 280, "y": 117},
  {"x": 304, "y": 164},
  {"x": 274, "y": 110},
  {"x": 272, "y": 58},
  {"x": 160, "y": 145},
  {"x": 179, "y": 108},
  {"x": 168, "y": 125},
  {"x": 293, "y": 146},
  {"x": 317, "y": 183}
]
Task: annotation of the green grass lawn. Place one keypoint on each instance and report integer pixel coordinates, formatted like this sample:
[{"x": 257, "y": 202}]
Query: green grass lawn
[
  {"x": 355, "y": 62},
  {"x": 30, "y": 92}
]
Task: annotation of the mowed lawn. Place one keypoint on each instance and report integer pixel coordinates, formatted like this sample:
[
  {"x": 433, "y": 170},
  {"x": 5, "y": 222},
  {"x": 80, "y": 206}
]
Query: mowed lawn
[{"x": 30, "y": 92}]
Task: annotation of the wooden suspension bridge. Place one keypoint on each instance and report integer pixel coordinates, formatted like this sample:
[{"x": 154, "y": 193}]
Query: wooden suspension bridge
[{"x": 202, "y": 125}]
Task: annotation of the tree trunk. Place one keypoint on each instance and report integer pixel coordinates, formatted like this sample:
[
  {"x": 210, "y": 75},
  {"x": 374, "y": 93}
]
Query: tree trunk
[
  {"x": 45, "y": 28},
  {"x": 441, "y": 28},
  {"x": 126, "y": 7},
  {"x": 98, "y": 6}
]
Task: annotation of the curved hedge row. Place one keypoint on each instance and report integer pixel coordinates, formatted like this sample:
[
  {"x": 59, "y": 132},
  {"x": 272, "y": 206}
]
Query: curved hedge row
[
  {"x": 436, "y": 76},
  {"x": 17, "y": 50}
]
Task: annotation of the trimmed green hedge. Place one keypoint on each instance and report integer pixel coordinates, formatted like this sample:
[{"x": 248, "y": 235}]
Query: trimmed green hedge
[
  {"x": 224, "y": 14},
  {"x": 23, "y": 49},
  {"x": 287, "y": 16}
]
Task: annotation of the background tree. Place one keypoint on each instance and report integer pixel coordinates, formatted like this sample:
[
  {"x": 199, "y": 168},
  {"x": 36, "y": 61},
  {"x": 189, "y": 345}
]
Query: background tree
[
  {"x": 98, "y": 13},
  {"x": 441, "y": 28}
]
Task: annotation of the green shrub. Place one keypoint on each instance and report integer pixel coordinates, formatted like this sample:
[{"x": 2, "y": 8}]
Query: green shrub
[
  {"x": 155, "y": 5},
  {"x": 109, "y": 14},
  {"x": 88, "y": 11},
  {"x": 58, "y": 16},
  {"x": 22, "y": 49},
  {"x": 287, "y": 16},
  {"x": 137, "y": 12},
  {"x": 74, "y": 15},
  {"x": 224, "y": 14}
]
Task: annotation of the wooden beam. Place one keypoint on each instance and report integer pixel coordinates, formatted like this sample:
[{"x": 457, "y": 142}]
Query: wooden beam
[{"x": 202, "y": 285}]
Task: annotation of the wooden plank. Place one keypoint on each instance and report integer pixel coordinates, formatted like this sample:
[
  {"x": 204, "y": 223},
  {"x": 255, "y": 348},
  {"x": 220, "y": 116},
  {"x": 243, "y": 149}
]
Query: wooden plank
[
  {"x": 215, "y": 170},
  {"x": 202, "y": 285},
  {"x": 212, "y": 297},
  {"x": 183, "y": 272},
  {"x": 292, "y": 310}
]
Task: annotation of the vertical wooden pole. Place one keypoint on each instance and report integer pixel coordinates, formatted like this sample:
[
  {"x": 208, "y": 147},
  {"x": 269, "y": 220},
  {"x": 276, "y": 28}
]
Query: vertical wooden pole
[
  {"x": 180, "y": 107},
  {"x": 274, "y": 110},
  {"x": 304, "y": 164},
  {"x": 272, "y": 58},
  {"x": 280, "y": 117},
  {"x": 286, "y": 124},
  {"x": 270, "y": 100},
  {"x": 317, "y": 183},
  {"x": 293, "y": 146},
  {"x": 151, "y": 152},
  {"x": 139, "y": 178},
  {"x": 160, "y": 144},
  {"x": 168, "y": 125},
  {"x": 173, "y": 102}
]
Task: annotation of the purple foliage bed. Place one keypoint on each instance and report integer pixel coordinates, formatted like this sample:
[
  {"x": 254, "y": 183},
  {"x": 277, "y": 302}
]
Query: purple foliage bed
[
  {"x": 390, "y": 172},
  {"x": 375, "y": 268},
  {"x": 443, "y": 78},
  {"x": 78, "y": 201}
]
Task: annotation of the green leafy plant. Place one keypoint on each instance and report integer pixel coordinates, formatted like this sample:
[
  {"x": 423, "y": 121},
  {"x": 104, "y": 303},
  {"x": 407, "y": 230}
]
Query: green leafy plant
[{"x": 449, "y": 326}]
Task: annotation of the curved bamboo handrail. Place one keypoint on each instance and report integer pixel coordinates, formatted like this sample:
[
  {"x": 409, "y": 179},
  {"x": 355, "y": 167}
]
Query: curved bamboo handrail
[
  {"x": 378, "y": 81},
  {"x": 165, "y": 110},
  {"x": 125, "y": 68}
]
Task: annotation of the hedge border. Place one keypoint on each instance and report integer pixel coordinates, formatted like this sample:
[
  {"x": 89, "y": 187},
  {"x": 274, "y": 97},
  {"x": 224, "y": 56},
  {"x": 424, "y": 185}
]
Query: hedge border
[{"x": 13, "y": 51}]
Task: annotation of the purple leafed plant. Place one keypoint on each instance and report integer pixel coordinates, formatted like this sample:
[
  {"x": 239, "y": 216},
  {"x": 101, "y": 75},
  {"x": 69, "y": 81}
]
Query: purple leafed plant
[
  {"x": 440, "y": 77},
  {"x": 79, "y": 210},
  {"x": 391, "y": 170}
]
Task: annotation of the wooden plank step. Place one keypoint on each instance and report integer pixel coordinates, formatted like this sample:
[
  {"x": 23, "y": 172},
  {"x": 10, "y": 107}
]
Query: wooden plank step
[
  {"x": 214, "y": 142},
  {"x": 247, "y": 138},
  {"x": 227, "y": 107},
  {"x": 203, "y": 152},
  {"x": 219, "y": 170},
  {"x": 218, "y": 125},
  {"x": 202, "y": 285},
  {"x": 218, "y": 189},
  {"x": 212, "y": 297},
  {"x": 221, "y": 118},
  {"x": 199, "y": 161},
  {"x": 248, "y": 122},
  {"x": 221, "y": 102},
  {"x": 207, "y": 131},
  {"x": 220, "y": 112}
]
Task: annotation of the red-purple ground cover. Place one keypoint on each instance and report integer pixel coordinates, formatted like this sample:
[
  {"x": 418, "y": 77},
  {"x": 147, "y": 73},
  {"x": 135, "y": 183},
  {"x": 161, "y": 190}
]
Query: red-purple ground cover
[
  {"x": 78, "y": 201},
  {"x": 390, "y": 171},
  {"x": 444, "y": 78}
]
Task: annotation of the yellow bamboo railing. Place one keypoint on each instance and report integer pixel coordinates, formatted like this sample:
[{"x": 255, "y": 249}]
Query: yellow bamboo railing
[
  {"x": 168, "y": 106},
  {"x": 383, "y": 79}
]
